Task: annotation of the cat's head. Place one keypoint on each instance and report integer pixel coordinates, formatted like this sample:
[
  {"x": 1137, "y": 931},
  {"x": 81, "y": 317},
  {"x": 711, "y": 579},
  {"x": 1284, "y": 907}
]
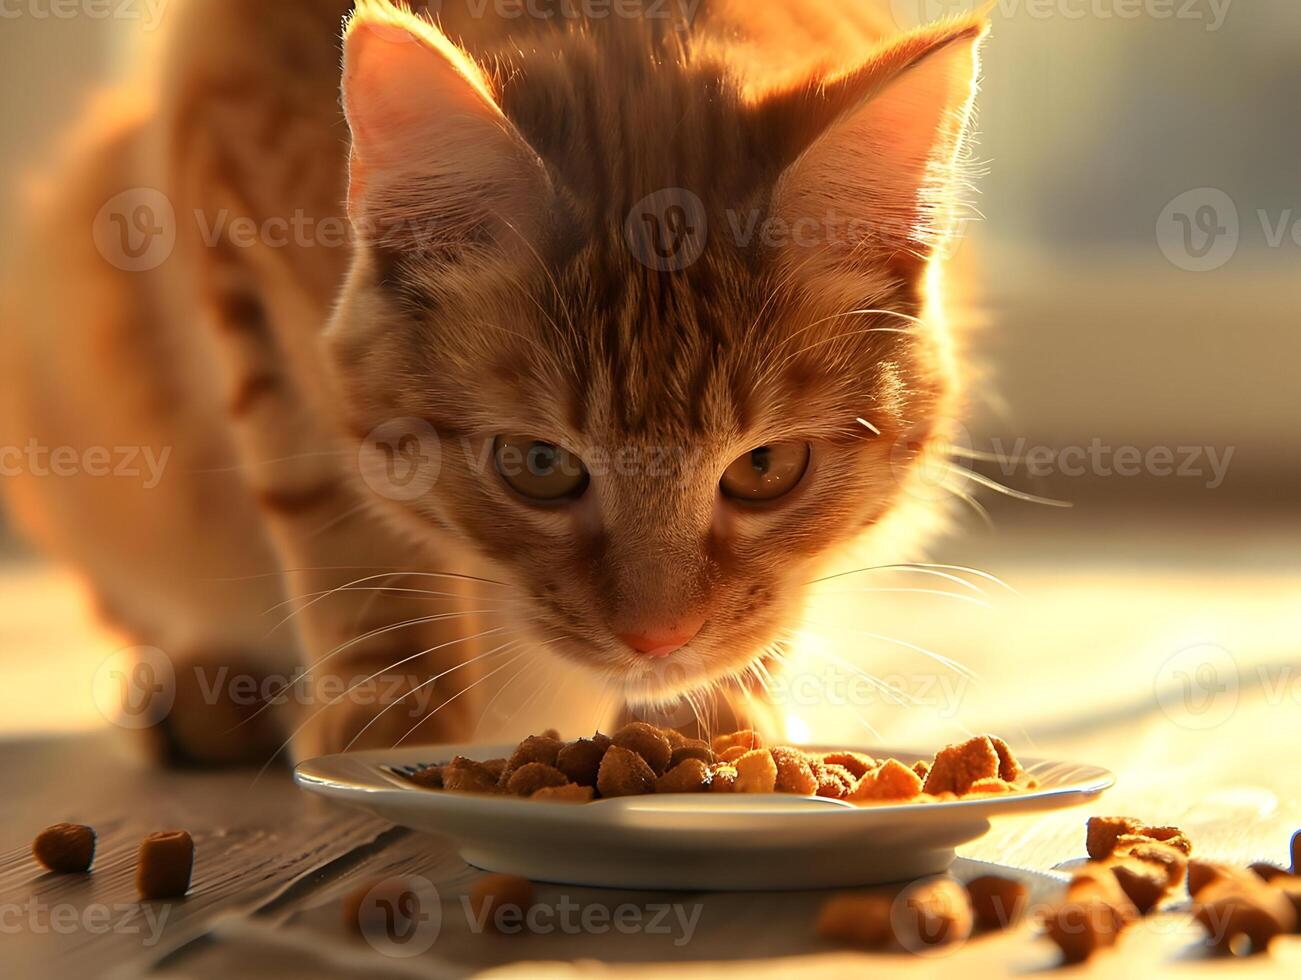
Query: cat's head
[{"x": 662, "y": 326}]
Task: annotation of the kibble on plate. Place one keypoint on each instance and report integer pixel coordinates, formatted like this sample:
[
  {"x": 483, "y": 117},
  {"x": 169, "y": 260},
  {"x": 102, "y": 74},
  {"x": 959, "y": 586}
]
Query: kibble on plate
[
  {"x": 624, "y": 773},
  {"x": 65, "y": 848},
  {"x": 641, "y": 758},
  {"x": 756, "y": 772},
  {"x": 648, "y": 742},
  {"x": 568, "y": 793},
  {"x": 535, "y": 748},
  {"x": 164, "y": 865},
  {"x": 533, "y": 776},
  {"x": 469, "y": 776},
  {"x": 722, "y": 777},
  {"x": 746, "y": 739},
  {"x": 688, "y": 776},
  {"x": 794, "y": 771},
  {"x": 581, "y": 760},
  {"x": 691, "y": 749}
]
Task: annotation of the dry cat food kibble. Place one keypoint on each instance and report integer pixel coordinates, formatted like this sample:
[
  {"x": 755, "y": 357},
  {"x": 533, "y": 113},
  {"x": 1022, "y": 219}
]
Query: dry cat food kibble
[
  {"x": 1135, "y": 866},
  {"x": 164, "y": 866},
  {"x": 382, "y": 906},
  {"x": 494, "y": 894},
  {"x": 1107, "y": 834},
  {"x": 67, "y": 848},
  {"x": 932, "y": 912},
  {"x": 640, "y": 758},
  {"x": 1091, "y": 917},
  {"x": 1240, "y": 911},
  {"x": 859, "y": 919},
  {"x": 997, "y": 902}
]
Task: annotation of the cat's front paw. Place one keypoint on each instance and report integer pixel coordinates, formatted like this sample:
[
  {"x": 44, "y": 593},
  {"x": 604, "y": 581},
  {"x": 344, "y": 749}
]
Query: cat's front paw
[{"x": 215, "y": 715}]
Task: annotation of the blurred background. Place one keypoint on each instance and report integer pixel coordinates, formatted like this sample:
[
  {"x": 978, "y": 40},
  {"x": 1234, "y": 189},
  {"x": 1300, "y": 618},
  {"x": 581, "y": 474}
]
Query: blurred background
[{"x": 1138, "y": 262}]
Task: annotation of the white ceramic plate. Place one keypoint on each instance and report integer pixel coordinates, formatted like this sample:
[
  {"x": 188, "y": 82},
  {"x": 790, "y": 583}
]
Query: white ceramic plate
[{"x": 696, "y": 841}]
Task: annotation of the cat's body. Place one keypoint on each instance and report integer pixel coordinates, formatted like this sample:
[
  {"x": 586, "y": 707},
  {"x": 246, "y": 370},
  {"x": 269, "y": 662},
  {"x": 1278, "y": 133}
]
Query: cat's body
[{"x": 213, "y": 358}]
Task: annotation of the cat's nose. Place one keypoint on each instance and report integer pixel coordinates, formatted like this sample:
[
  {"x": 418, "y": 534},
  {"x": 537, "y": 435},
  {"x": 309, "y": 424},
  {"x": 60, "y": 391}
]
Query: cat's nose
[{"x": 660, "y": 641}]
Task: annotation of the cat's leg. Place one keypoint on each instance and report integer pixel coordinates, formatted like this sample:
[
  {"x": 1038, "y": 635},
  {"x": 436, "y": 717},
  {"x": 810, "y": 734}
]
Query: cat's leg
[
  {"x": 389, "y": 632},
  {"x": 254, "y": 142},
  {"x": 118, "y": 461}
]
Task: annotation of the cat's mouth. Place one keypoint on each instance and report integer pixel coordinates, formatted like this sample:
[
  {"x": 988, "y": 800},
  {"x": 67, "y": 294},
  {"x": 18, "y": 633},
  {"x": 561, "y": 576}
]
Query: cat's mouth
[{"x": 705, "y": 659}]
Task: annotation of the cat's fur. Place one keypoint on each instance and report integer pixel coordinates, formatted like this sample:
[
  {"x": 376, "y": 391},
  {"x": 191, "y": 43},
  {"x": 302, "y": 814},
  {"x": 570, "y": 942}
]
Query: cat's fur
[{"x": 492, "y": 289}]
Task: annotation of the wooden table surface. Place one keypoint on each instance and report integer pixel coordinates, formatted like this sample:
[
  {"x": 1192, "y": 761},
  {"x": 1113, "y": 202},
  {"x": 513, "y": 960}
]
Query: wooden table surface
[{"x": 1096, "y": 659}]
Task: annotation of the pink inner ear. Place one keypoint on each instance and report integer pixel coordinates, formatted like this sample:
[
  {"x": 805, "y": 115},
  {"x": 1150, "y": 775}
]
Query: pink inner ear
[
  {"x": 887, "y": 165},
  {"x": 397, "y": 89},
  {"x": 431, "y": 149}
]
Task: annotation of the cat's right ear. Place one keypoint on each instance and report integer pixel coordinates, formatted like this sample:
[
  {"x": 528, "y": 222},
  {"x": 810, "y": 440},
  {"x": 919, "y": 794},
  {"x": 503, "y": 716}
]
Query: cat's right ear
[
  {"x": 878, "y": 150},
  {"x": 435, "y": 164}
]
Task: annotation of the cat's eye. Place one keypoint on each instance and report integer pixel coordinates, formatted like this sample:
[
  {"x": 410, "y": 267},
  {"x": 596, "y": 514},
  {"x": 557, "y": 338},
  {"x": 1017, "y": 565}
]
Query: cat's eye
[
  {"x": 768, "y": 472},
  {"x": 540, "y": 470}
]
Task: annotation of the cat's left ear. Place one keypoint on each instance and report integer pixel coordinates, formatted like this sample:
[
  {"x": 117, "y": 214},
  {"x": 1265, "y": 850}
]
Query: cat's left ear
[
  {"x": 876, "y": 150},
  {"x": 435, "y": 164}
]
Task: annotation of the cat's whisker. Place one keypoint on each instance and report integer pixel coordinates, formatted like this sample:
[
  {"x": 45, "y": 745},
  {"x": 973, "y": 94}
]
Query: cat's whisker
[
  {"x": 299, "y": 678},
  {"x": 508, "y": 646},
  {"x": 831, "y": 340},
  {"x": 393, "y": 570},
  {"x": 333, "y": 701},
  {"x": 847, "y": 313},
  {"x": 920, "y": 566},
  {"x": 956, "y": 596},
  {"x": 994, "y": 485},
  {"x": 425, "y": 593},
  {"x": 955, "y": 450},
  {"x": 973, "y": 503},
  {"x": 464, "y": 690},
  {"x": 877, "y": 682},
  {"x": 947, "y": 576},
  {"x": 534, "y": 695},
  {"x": 372, "y": 578},
  {"x": 877, "y": 737},
  {"x": 338, "y": 519},
  {"x": 381, "y": 630},
  {"x": 487, "y": 708},
  {"x": 574, "y": 333},
  {"x": 949, "y": 662}
]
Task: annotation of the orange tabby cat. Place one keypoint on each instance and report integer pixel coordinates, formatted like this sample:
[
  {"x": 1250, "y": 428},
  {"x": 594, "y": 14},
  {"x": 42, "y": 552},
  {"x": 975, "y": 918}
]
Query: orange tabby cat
[{"x": 631, "y": 312}]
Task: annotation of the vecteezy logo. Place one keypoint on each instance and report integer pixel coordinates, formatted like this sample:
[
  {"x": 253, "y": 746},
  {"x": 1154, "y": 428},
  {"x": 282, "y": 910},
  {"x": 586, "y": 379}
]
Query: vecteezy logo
[
  {"x": 135, "y": 687},
  {"x": 667, "y": 230},
  {"x": 914, "y": 13},
  {"x": 1199, "y": 230},
  {"x": 136, "y": 230},
  {"x": 401, "y": 459},
  {"x": 921, "y": 921},
  {"x": 1197, "y": 687},
  {"x": 401, "y": 917}
]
